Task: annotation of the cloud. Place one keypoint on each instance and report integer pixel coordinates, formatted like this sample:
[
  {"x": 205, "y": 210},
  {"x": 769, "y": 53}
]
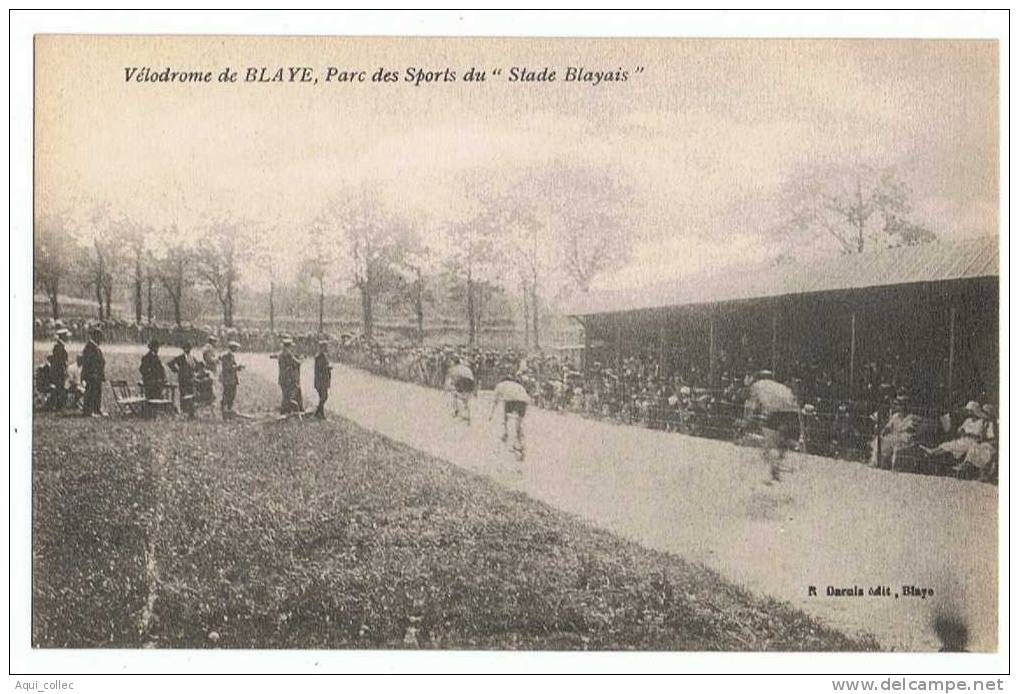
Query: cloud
[{"x": 705, "y": 138}]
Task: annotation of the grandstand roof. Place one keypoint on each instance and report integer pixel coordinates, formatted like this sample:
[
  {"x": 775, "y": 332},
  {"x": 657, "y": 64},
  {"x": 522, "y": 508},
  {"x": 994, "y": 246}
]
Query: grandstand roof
[{"x": 933, "y": 262}]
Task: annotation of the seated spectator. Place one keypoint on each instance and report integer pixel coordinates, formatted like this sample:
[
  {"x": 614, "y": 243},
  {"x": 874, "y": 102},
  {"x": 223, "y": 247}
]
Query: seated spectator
[
  {"x": 43, "y": 381},
  {"x": 75, "y": 390},
  {"x": 899, "y": 432},
  {"x": 973, "y": 448}
]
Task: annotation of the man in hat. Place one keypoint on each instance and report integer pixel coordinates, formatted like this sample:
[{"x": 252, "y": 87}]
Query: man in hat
[
  {"x": 184, "y": 366},
  {"x": 228, "y": 378},
  {"x": 93, "y": 373},
  {"x": 289, "y": 377},
  {"x": 323, "y": 377},
  {"x": 153, "y": 373},
  {"x": 207, "y": 367},
  {"x": 776, "y": 407},
  {"x": 515, "y": 399},
  {"x": 58, "y": 371},
  {"x": 209, "y": 354}
]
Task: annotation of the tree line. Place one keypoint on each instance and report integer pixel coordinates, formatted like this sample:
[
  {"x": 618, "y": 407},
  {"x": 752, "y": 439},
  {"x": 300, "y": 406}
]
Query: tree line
[{"x": 531, "y": 236}]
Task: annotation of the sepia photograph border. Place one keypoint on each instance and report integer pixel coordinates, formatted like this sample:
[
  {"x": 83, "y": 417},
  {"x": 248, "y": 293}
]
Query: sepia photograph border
[{"x": 24, "y": 25}]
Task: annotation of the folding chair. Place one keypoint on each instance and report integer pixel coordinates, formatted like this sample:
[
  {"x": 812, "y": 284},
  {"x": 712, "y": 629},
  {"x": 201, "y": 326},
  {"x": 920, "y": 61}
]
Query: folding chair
[{"x": 127, "y": 404}]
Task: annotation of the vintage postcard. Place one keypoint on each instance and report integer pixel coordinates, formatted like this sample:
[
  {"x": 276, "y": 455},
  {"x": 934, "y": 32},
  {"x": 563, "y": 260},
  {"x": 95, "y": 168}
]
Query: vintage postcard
[{"x": 516, "y": 344}]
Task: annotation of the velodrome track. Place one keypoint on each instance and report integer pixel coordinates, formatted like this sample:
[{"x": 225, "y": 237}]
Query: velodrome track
[{"x": 828, "y": 523}]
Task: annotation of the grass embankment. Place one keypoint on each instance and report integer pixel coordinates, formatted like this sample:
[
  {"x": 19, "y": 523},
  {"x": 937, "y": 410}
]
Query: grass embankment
[{"x": 205, "y": 533}]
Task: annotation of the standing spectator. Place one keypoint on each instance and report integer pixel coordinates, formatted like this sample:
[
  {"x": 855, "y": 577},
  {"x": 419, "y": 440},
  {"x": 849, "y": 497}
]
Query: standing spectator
[
  {"x": 205, "y": 372},
  {"x": 184, "y": 366},
  {"x": 210, "y": 356},
  {"x": 323, "y": 377},
  {"x": 93, "y": 372},
  {"x": 153, "y": 373},
  {"x": 289, "y": 378},
  {"x": 228, "y": 378},
  {"x": 58, "y": 371}
]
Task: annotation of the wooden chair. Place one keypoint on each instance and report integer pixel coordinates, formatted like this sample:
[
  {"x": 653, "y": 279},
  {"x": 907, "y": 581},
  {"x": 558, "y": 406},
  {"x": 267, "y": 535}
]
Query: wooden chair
[
  {"x": 167, "y": 404},
  {"x": 127, "y": 404}
]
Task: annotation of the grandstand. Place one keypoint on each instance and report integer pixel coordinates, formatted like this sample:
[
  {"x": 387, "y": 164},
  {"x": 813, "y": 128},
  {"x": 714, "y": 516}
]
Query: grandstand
[{"x": 925, "y": 316}]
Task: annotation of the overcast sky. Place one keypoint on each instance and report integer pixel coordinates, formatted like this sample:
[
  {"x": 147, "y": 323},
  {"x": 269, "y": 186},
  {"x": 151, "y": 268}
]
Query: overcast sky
[{"x": 706, "y": 135}]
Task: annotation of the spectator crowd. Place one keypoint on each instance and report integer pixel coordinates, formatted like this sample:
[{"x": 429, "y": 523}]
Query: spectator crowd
[{"x": 883, "y": 426}]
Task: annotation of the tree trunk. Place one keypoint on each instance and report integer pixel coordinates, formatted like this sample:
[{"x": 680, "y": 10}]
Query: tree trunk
[
  {"x": 149, "y": 302},
  {"x": 176, "y": 299},
  {"x": 321, "y": 307},
  {"x": 52, "y": 291},
  {"x": 228, "y": 309},
  {"x": 479, "y": 310},
  {"x": 107, "y": 295},
  {"x": 272, "y": 306},
  {"x": 527, "y": 319},
  {"x": 419, "y": 306},
  {"x": 99, "y": 293},
  {"x": 471, "y": 311},
  {"x": 366, "y": 312},
  {"x": 138, "y": 290},
  {"x": 534, "y": 314}
]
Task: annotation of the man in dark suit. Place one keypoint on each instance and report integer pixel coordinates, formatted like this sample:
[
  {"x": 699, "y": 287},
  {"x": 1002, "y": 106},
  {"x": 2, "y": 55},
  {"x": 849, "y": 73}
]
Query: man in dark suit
[
  {"x": 323, "y": 377},
  {"x": 58, "y": 371},
  {"x": 228, "y": 375},
  {"x": 184, "y": 366},
  {"x": 289, "y": 378},
  {"x": 153, "y": 373},
  {"x": 93, "y": 373}
]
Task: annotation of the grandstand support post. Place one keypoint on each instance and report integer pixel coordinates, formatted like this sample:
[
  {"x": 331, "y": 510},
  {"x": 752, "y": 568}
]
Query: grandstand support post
[
  {"x": 951, "y": 357},
  {"x": 619, "y": 347},
  {"x": 585, "y": 358},
  {"x": 661, "y": 350},
  {"x": 852, "y": 353},
  {"x": 774, "y": 340},
  {"x": 586, "y": 361},
  {"x": 711, "y": 350}
]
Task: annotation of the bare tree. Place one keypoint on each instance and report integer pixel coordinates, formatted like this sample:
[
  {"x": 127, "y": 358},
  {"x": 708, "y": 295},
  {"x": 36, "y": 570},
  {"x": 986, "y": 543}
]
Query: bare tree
[
  {"x": 106, "y": 253},
  {"x": 373, "y": 238},
  {"x": 318, "y": 264},
  {"x": 135, "y": 238},
  {"x": 267, "y": 258},
  {"x": 53, "y": 256},
  {"x": 854, "y": 206},
  {"x": 174, "y": 270},
  {"x": 150, "y": 280},
  {"x": 581, "y": 207},
  {"x": 470, "y": 263},
  {"x": 218, "y": 257},
  {"x": 412, "y": 266}
]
